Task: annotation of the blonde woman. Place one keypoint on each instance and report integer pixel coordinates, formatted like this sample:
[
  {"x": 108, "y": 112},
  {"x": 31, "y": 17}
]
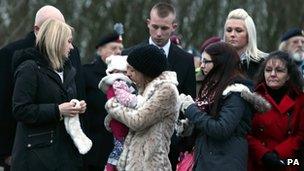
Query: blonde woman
[
  {"x": 44, "y": 86},
  {"x": 240, "y": 32}
]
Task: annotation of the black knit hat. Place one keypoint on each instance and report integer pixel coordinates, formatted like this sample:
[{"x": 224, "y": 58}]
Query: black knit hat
[
  {"x": 113, "y": 37},
  {"x": 149, "y": 60},
  {"x": 292, "y": 33}
]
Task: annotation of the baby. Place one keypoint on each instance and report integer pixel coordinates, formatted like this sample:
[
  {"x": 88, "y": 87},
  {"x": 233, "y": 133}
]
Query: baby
[{"x": 117, "y": 84}]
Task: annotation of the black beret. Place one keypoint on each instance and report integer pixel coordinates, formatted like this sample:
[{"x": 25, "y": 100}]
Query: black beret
[
  {"x": 149, "y": 60},
  {"x": 292, "y": 33},
  {"x": 113, "y": 37}
]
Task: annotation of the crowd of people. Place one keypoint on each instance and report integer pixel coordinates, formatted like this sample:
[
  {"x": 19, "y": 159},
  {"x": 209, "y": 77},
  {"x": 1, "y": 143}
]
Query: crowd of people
[{"x": 144, "y": 107}]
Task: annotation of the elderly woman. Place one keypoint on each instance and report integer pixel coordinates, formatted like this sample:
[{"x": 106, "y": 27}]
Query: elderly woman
[
  {"x": 278, "y": 134},
  {"x": 240, "y": 32},
  {"x": 151, "y": 124},
  {"x": 221, "y": 116},
  {"x": 44, "y": 87}
]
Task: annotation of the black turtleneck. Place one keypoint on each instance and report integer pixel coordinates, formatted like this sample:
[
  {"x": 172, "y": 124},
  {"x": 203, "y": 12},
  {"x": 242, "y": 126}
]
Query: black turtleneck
[{"x": 277, "y": 94}]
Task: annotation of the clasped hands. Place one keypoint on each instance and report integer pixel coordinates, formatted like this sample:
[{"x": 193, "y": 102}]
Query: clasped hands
[
  {"x": 185, "y": 102},
  {"x": 72, "y": 108}
]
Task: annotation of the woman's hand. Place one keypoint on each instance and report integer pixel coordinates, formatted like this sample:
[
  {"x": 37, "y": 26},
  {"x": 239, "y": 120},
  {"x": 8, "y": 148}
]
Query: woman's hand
[
  {"x": 68, "y": 109},
  {"x": 72, "y": 108},
  {"x": 186, "y": 101},
  {"x": 83, "y": 106},
  {"x": 112, "y": 105}
]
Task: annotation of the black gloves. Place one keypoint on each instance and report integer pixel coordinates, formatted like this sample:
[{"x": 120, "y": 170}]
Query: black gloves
[{"x": 272, "y": 160}]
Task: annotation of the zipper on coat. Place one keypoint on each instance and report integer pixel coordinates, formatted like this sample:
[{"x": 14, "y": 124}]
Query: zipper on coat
[{"x": 42, "y": 133}]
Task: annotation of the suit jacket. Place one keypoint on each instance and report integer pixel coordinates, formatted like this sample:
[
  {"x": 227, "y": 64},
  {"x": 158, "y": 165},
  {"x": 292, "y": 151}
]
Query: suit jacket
[
  {"x": 7, "y": 122},
  {"x": 182, "y": 63}
]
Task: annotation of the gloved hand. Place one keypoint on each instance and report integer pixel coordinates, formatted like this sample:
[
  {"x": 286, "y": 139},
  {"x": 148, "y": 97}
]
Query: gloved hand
[
  {"x": 123, "y": 94},
  {"x": 183, "y": 127},
  {"x": 272, "y": 160},
  {"x": 186, "y": 101}
]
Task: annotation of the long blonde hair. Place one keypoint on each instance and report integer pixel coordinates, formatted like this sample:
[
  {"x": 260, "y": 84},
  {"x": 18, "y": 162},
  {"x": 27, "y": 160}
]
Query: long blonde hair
[
  {"x": 51, "y": 39},
  {"x": 251, "y": 49}
]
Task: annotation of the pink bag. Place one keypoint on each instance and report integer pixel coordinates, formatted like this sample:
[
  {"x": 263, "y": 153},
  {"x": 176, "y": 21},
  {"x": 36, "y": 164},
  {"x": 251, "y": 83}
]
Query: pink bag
[{"x": 186, "y": 161}]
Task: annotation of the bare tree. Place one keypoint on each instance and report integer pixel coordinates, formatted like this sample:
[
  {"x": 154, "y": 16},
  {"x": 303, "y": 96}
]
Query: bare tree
[{"x": 198, "y": 19}]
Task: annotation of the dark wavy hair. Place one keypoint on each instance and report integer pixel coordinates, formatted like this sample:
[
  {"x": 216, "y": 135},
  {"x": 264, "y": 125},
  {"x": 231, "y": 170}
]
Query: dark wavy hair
[
  {"x": 295, "y": 77},
  {"x": 226, "y": 70}
]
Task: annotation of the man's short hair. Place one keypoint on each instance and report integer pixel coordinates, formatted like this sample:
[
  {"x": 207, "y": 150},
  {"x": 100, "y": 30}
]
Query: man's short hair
[{"x": 163, "y": 9}]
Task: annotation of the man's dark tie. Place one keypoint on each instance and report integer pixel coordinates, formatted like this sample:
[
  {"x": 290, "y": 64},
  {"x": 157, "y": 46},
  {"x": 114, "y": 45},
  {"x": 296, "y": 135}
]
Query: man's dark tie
[{"x": 161, "y": 49}]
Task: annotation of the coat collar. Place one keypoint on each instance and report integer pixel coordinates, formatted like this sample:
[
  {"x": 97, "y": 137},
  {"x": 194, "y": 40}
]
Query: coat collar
[
  {"x": 99, "y": 65},
  {"x": 165, "y": 77},
  {"x": 43, "y": 65},
  {"x": 257, "y": 101},
  {"x": 172, "y": 49},
  {"x": 31, "y": 38},
  {"x": 165, "y": 48},
  {"x": 287, "y": 101}
]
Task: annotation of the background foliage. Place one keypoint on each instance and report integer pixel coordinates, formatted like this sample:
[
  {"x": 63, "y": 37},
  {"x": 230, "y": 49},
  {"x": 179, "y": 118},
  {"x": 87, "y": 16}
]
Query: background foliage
[{"x": 198, "y": 19}]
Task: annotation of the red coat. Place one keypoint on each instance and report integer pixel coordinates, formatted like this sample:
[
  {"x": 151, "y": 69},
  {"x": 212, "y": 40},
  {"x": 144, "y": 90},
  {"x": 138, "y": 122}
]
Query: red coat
[{"x": 281, "y": 129}]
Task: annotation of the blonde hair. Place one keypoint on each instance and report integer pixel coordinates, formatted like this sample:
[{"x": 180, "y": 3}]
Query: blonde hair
[
  {"x": 51, "y": 40},
  {"x": 252, "y": 52}
]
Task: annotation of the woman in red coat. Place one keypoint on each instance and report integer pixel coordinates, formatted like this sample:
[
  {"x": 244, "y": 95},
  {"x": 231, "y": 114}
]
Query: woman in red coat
[{"x": 277, "y": 135}]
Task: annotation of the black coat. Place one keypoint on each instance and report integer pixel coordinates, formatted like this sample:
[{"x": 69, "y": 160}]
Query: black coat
[
  {"x": 221, "y": 143},
  {"x": 96, "y": 100},
  {"x": 41, "y": 141},
  {"x": 252, "y": 69},
  {"x": 7, "y": 122}
]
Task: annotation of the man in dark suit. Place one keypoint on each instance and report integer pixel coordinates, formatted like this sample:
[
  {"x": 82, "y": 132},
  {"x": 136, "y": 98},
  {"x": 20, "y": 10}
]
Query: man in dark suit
[
  {"x": 102, "y": 139},
  {"x": 161, "y": 25},
  {"x": 7, "y": 122}
]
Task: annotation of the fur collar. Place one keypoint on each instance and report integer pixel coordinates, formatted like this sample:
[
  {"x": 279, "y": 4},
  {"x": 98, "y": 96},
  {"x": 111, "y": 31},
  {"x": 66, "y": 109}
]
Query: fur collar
[
  {"x": 164, "y": 77},
  {"x": 184, "y": 128},
  {"x": 259, "y": 103}
]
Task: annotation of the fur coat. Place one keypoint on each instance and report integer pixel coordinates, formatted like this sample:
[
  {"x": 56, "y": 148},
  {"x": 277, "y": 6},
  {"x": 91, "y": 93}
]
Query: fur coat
[{"x": 150, "y": 125}]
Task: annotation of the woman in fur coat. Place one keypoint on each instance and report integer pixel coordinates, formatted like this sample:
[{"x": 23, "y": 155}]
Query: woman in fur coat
[
  {"x": 117, "y": 84},
  {"x": 151, "y": 125},
  {"x": 221, "y": 114}
]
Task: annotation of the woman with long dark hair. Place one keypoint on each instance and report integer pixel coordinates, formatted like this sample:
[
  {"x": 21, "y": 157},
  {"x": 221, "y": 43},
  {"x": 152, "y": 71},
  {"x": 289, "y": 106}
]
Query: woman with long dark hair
[{"x": 220, "y": 115}]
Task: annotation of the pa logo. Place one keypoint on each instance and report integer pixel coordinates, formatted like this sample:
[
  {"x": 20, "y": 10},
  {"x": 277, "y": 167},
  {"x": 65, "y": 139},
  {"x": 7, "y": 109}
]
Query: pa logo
[{"x": 293, "y": 162}]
